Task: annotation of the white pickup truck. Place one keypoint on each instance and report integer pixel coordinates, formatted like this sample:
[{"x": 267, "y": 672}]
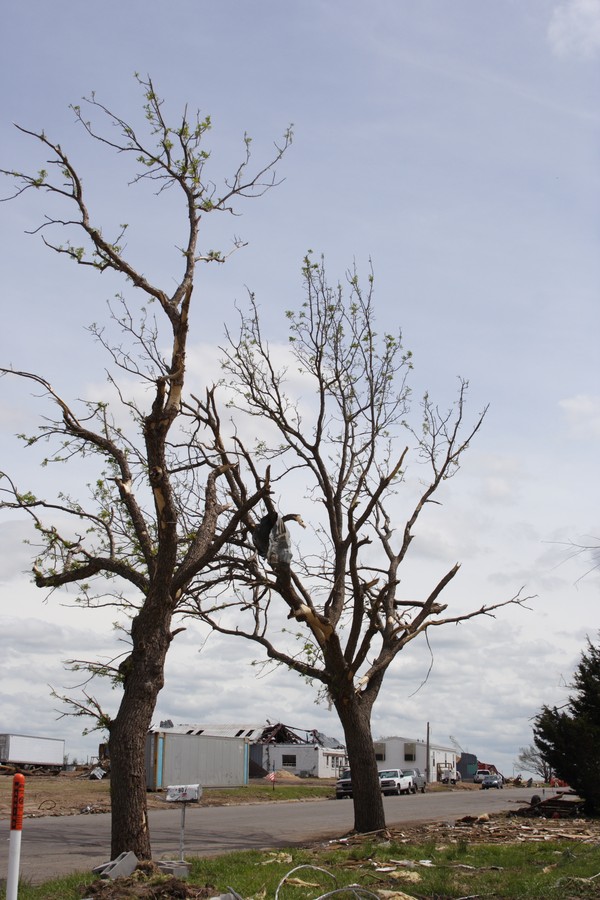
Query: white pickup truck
[{"x": 393, "y": 781}]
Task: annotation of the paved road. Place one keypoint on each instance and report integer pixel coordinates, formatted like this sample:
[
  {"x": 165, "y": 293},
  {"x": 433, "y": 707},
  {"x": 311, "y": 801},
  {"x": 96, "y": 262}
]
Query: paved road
[{"x": 59, "y": 845}]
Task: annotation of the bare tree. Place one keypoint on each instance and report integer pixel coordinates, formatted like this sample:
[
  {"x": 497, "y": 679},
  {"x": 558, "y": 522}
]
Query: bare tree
[
  {"x": 338, "y": 438},
  {"x": 531, "y": 760},
  {"x": 586, "y": 548},
  {"x": 154, "y": 520}
]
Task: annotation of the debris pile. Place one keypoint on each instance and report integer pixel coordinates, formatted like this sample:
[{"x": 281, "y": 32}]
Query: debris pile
[
  {"x": 146, "y": 883},
  {"x": 13, "y": 769},
  {"x": 566, "y": 805},
  {"x": 486, "y": 829}
]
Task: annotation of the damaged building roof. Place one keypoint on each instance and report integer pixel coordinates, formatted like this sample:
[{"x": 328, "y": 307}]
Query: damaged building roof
[{"x": 256, "y": 733}]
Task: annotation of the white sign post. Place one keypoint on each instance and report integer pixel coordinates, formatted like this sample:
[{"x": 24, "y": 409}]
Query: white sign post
[{"x": 184, "y": 794}]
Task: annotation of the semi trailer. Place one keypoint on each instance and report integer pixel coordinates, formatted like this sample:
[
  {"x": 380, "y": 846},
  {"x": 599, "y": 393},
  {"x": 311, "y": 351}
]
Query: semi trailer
[{"x": 28, "y": 750}]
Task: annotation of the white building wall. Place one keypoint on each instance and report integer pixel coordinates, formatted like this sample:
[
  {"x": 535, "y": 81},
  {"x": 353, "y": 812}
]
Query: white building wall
[
  {"x": 405, "y": 753},
  {"x": 307, "y": 760}
]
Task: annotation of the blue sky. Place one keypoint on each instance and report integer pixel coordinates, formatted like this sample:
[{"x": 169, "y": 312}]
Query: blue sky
[{"x": 454, "y": 143}]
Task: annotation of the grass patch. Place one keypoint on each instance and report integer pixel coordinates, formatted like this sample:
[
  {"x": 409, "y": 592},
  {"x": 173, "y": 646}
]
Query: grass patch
[
  {"x": 553, "y": 870},
  {"x": 257, "y": 793}
]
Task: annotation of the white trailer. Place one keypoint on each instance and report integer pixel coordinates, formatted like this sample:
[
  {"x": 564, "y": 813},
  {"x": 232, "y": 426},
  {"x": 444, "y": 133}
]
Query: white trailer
[
  {"x": 28, "y": 750},
  {"x": 305, "y": 760}
]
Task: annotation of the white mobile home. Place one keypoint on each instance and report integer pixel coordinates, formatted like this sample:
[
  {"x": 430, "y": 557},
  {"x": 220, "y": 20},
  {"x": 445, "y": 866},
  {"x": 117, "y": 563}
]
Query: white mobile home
[
  {"x": 305, "y": 760},
  {"x": 407, "y": 753}
]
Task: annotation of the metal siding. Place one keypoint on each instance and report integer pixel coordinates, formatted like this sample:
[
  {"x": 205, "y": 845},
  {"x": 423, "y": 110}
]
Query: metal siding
[
  {"x": 251, "y": 731},
  {"x": 149, "y": 762},
  {"x": 160, "y": 752},
  {"x": 209, "y": 761}
]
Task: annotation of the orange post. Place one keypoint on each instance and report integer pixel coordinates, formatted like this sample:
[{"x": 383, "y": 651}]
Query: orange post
[
  {"x": 16, "y": 826},
  {"x": 18, "y": 799}
]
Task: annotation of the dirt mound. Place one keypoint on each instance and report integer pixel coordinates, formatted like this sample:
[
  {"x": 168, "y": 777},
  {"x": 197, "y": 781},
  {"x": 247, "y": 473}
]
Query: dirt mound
[{"x": 282, "y": 775}]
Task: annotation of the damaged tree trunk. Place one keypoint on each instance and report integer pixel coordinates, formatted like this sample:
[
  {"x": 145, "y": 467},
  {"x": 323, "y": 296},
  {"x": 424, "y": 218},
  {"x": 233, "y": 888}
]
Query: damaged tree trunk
[
  {"x": 366, "y": 789},
  {"x": 143, "y": 679}
]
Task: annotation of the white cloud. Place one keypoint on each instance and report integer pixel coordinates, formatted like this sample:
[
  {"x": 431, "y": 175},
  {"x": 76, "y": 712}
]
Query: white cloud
[
  {"x": 574, "y": 28},
  {"x": 582, "y": 413},
  {"x": 501, "y": 477}
]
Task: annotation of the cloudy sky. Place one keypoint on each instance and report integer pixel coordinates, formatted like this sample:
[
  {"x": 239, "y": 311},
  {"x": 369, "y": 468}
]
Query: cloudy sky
[{"x": 454, "y": 143}]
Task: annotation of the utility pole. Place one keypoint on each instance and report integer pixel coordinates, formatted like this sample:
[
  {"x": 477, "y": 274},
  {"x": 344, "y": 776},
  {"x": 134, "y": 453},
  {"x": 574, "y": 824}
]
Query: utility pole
[{"x": 427, "y": 757}]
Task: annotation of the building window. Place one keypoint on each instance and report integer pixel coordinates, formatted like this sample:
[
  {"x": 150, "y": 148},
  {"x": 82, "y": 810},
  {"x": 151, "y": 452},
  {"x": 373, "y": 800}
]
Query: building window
[
  {"x": 410, "y": 752},
  {"x": 288, "y": 760},
  {"x": 379, "y": 752}
]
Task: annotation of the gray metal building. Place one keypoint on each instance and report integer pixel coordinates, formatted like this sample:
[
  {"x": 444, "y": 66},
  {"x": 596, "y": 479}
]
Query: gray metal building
[{"x": 175, "y": 756}]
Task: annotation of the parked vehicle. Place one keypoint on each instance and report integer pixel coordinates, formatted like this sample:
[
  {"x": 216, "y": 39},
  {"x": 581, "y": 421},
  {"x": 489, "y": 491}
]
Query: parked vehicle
[
  {"x": 480, "y": 775},
  {"x": 449, "y": 776},
  {"x": 343, "y": 786},
  {"x": 394, "y": 781},
  {"x": 491, "y": 781},
  {"x": 418, "y": 778}
]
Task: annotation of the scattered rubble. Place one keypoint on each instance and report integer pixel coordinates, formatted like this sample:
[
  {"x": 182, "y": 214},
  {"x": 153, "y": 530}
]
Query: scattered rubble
[
  {"x": 565, "y": 805},
  {"x": 10, "y": 769},
  {"x": 501, "y": 828},
  {"x": 147, "y": 883}
]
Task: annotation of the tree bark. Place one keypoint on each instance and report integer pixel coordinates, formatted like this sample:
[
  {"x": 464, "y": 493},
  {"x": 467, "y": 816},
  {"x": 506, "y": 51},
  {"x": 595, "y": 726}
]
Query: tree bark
[
  {"x": 143, "y": 680},
  {"x": 355, "y": 718}
]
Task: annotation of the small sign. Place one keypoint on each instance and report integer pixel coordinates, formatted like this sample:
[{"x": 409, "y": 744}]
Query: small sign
[{"x": 184, "y": 793}]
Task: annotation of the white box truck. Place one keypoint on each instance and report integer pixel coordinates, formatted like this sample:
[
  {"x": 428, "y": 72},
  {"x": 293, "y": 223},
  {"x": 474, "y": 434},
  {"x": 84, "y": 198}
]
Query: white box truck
[{"x": 27, "y": 750}]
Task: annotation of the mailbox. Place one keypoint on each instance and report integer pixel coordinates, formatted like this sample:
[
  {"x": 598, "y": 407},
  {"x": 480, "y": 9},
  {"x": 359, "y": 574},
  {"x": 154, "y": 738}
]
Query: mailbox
[{"x": 184, "y": 793}]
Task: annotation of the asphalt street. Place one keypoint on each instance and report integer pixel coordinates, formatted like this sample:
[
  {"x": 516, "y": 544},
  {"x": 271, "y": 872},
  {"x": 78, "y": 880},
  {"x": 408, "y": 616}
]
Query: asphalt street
[{"x": 53, "y": 846}]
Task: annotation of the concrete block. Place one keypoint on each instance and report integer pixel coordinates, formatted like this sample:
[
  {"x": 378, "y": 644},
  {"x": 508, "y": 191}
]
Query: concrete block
[
  {"x": 121, "y": 867},
  {"x": 176, "y": 867}
]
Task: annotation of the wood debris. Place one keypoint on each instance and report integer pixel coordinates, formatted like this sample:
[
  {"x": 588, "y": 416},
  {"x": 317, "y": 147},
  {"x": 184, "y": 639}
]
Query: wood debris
[
  {"x": 487, "y": 829},
  {"x": 565, "y": 805}
]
